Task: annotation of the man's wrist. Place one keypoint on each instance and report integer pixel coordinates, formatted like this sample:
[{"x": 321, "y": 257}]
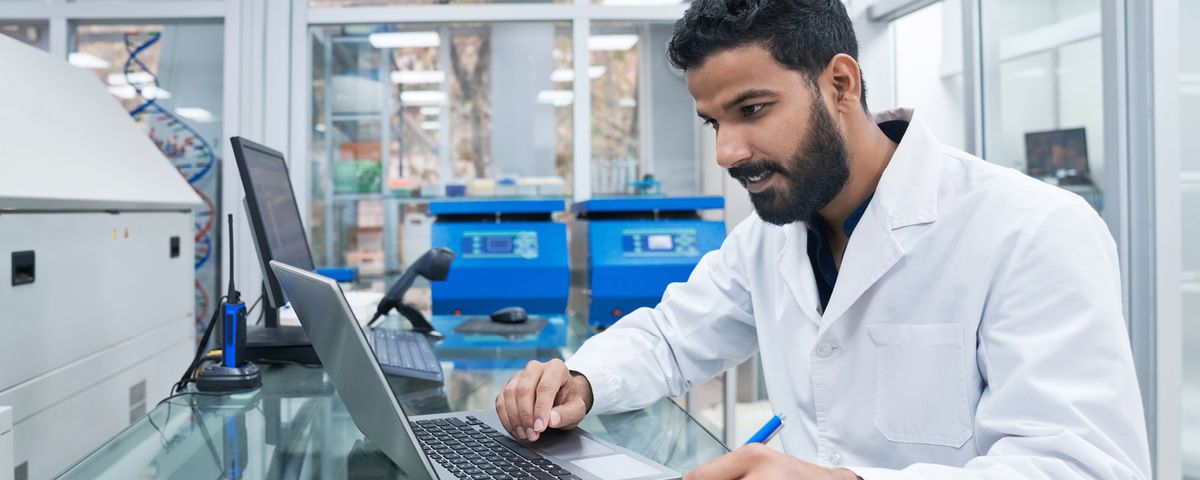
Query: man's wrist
[{"x": 584, "y": 388}]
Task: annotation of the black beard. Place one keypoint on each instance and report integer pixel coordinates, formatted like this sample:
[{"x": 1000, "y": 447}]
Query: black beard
[{"x": 816, "y": 173}]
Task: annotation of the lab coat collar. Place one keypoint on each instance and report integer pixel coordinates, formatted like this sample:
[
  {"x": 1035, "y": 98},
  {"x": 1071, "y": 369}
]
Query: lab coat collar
[
  {"x": 797, "y": 272},
  {"x": 907, "y": 192},
  {"x": 906, "y": 196}
]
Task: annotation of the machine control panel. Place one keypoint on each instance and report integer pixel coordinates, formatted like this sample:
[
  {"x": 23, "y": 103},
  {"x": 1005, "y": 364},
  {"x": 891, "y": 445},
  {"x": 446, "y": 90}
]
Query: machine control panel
[
  {"x": 500, "y": 244},
  {"x": 659, "y": 242}
]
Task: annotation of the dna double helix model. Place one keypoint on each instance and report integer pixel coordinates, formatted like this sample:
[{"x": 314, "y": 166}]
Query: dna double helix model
[{"x": 187, "y": 150}]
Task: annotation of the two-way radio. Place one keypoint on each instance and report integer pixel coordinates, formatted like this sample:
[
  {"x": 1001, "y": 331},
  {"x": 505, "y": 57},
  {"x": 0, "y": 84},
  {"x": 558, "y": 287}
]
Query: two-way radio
[{"x": 233, "y": 373}]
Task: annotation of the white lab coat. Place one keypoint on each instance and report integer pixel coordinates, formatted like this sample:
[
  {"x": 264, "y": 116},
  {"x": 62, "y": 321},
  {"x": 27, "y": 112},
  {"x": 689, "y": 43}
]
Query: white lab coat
[{"x": 975, "y": 331}]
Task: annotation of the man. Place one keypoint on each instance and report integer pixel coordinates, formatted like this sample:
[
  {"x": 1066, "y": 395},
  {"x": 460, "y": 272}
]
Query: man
[{"x": 920, "y": 313}]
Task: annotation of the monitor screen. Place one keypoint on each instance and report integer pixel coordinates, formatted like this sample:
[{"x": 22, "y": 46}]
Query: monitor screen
[
  {"x": 1058, "y": 154},
  {"x": 274, "y": 215}
]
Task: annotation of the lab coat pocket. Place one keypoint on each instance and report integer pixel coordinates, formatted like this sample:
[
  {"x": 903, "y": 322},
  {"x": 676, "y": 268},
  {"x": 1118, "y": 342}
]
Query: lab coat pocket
[{"x": 920, "y": 387}]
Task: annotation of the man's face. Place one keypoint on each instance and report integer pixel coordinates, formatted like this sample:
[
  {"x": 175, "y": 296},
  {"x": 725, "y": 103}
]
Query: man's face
[{"x": 774, "y": 134}]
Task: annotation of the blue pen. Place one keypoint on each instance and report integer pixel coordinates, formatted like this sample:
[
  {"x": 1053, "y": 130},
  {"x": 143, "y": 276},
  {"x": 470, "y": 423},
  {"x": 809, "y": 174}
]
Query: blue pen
[{"x": 768, "y": 431}]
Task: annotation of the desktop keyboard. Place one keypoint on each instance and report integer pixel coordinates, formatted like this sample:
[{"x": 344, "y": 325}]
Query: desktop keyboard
[
  {"x": 404, "y": 353},
  {"x": 469, "y": 448}
]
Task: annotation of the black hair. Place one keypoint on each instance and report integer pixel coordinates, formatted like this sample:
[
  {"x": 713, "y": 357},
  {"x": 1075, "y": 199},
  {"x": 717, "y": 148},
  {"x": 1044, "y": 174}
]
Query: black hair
[{"x": 802, "y": 35}]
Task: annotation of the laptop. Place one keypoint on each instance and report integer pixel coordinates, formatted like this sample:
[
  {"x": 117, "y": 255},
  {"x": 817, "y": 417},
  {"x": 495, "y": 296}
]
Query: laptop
[{"x": 453, "y": 445}]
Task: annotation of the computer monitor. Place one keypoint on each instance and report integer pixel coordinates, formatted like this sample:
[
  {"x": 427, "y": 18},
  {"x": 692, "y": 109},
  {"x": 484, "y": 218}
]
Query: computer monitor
[
  {"x": 274, "y": 217},
  {"x": 1058, "y": 154}
]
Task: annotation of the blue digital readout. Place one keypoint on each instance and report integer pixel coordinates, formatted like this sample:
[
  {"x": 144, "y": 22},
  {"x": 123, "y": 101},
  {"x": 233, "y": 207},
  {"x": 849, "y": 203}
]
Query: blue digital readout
[
  {"x": 646, "y": 242},
  {"x": 500, "y": 245}
]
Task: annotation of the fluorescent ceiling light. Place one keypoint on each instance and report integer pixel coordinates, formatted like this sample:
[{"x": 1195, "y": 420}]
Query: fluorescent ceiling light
[
  {"x": 136, "y": 78},
  {"x": 423, "y": 97},
  {"x": 568, "y": 75},
  {"x": 558, "y": 98},
  {"x": 609, "y": 43},
  {"x": 154, "y": 92},
  {"x": 126, "y": 92},
  {"x": 643, "y": 3},
  {"x": 431, "y": 125},
  {"x": 411, "y": 77},
  {"x": 195, "y": 114},
  {"x": 87, "y": 60},
  {"x": 431, "y": 110},
  {"x": 404, "y": 39}
]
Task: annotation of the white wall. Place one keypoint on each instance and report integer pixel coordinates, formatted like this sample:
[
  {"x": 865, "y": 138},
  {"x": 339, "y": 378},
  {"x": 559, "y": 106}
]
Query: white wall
[{"x": 928, "y": 64}]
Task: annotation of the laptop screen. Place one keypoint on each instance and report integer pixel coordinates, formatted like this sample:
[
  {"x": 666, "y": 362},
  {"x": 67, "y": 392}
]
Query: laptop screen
[{"x": 350, "y": 364}]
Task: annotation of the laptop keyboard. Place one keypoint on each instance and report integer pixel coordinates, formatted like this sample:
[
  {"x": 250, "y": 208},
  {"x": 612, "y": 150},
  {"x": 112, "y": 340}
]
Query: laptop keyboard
[
  {"x": 469, "y": 448},
  {"x": 405, "y": 353}
]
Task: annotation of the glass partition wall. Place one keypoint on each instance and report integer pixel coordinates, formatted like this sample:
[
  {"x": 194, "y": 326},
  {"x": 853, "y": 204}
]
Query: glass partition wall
[
  {"x": 406, "y": 114},
  {"x": 1044, "y": 109}
]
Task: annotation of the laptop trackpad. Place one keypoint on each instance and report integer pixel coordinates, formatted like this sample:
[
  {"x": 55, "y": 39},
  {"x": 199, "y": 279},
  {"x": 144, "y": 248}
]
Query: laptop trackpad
[
  {"x": 568, "y": 445},
  {"x": 616, "y": 467}
]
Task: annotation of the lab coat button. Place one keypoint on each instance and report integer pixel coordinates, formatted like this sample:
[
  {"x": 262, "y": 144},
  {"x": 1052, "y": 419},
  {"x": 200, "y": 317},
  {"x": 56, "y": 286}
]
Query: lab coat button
[
  {"x": 835, "y": 459},
  {"x": 825, "y": 350}
]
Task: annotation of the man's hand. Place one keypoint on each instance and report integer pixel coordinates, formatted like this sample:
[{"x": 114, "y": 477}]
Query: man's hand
[
  {"x": 544, "y": 395},
  {"x": 759, "y": 461}
]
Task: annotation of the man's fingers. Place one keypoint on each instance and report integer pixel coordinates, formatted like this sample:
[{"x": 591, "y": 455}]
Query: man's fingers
[
  {"x": 510, "y": 408},
  {"x": 565, "y": 394},
  {"x": 733, "y": 465},
  {"x": 501, "y": 413},
  {"x": 568, "y": 415},
  {"x": 554, "y": 377},
  {"x": 526, "y": 391}
]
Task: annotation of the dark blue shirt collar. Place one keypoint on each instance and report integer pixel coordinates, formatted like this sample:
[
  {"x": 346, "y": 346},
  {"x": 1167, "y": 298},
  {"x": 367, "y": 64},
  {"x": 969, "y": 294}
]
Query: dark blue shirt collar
[
  {"x": 820, "y": 255},
  {"x": 851, "y": 222}
]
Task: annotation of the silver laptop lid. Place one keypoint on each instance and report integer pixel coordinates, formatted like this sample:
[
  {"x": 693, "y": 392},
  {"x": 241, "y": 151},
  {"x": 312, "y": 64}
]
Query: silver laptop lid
[{"x": 342, "y": 347}]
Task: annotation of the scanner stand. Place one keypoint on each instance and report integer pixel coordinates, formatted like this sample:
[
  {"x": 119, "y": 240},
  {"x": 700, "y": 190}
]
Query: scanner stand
[{"x": 419, "y": 323}]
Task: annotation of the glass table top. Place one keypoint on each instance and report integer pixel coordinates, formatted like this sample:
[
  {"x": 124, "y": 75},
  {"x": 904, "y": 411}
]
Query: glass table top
[{"x": 296, "y": 427}]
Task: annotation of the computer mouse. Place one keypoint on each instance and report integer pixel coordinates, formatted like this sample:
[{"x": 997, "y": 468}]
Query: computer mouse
[{"x": 510, "y": 315}]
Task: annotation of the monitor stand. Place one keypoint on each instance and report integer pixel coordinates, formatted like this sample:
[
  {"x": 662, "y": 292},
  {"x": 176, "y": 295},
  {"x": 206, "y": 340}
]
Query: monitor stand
[{"x": 278, "y": 343}]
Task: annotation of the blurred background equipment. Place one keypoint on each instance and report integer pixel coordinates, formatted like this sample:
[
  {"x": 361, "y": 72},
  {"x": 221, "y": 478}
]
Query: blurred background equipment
[
  {"x": 510, "y": 253},
  {"x": 630, "y": 248}
]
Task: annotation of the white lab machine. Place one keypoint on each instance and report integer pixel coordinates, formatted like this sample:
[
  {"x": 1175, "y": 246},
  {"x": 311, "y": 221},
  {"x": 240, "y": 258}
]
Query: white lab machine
[
  {"x": 96, "y": 265},
  {"x": 6, "y": 444}
]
